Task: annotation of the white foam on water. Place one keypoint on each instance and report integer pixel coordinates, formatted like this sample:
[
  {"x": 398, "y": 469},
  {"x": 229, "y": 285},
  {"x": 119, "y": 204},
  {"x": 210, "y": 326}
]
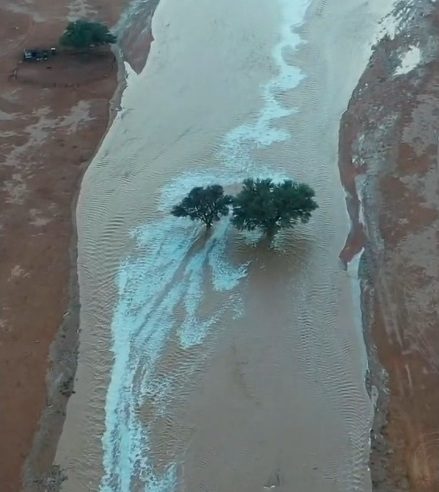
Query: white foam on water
[
  {"x": 224, "y": 277},
  {"x": 360, "y": 182},
  {"x": 409, "y": 60},
  {"x": 394, "y": 22},
  {"x": 137, "y": 337},
  {"x": 353, "y": 268},
  {"x": 159, "y": 277},
  {"x": 390, "y": 26},
  {"x": 168, "y": 270},
  {"x": 262, "y": 133}
]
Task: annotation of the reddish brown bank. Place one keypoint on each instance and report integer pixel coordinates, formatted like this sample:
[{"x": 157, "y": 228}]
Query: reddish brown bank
[
  {"x": 52, "y": 117},
  {"x": 389, "y": 161}
]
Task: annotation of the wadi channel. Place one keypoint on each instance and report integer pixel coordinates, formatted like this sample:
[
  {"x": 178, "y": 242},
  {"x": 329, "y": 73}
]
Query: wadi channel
[
  {"x": 214, "y": 362},
  {"x": 146, "y": 353}
]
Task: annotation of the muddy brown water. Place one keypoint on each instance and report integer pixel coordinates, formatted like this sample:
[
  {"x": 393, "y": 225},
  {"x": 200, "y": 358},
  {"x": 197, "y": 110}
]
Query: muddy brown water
[{"x": 212, "y": 362}]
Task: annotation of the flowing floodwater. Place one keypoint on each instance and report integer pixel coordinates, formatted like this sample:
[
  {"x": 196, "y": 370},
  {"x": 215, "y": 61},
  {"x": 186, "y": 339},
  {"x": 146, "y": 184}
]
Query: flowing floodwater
[{"x": 210, "y": 361}]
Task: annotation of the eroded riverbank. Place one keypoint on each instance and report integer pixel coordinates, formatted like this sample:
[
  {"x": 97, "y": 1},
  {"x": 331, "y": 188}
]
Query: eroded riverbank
[
  {"x": 52, "y": 117},
  {"x": 389, "y": 163},
  {"x": 51, "y": 121},
  {"x": 172, "y": 319}
]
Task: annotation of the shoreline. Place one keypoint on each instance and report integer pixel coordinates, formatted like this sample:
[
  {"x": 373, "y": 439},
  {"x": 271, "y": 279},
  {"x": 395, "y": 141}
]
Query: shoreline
[
  {"x": 391, "y": 158},
  {"x": 67, "y": 338},
  {"x": 38, "y": 345}
]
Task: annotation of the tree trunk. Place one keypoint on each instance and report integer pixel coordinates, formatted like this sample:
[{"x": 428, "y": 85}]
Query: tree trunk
[{"x": 270, "y": 232}]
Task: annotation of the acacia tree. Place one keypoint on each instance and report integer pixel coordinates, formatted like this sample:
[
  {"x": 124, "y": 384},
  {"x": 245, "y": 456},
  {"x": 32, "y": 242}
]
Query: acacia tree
[
  {"x": 272, "y": 206},
  {"x": 205, "y": 204},
  {"x": 83, "y": 34}
]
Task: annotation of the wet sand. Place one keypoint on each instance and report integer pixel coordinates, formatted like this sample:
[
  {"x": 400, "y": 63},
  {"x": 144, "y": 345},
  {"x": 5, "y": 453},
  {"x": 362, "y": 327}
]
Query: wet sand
[
  {"x": 51, "y": 120},
  {"x": 389, "y": 140},
  {"x": 172, "y": 319}
]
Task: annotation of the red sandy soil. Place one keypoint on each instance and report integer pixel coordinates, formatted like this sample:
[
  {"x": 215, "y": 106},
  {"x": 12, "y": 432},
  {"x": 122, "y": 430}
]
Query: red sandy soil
[
  {"x": 51, "y": 121},
  {"x": 389, "y": 136}
]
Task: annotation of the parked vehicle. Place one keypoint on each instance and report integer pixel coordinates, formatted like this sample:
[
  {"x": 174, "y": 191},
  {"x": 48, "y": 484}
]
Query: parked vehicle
[{"x": 38, "y": 54}]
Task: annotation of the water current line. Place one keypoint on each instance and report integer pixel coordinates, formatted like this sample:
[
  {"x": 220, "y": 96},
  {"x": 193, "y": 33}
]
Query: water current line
[{"x": 167, "y": 271}]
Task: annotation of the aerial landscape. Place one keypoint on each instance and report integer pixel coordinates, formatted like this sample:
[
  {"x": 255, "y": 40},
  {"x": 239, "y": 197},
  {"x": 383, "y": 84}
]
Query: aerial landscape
[{"x": 219, "y": 246}]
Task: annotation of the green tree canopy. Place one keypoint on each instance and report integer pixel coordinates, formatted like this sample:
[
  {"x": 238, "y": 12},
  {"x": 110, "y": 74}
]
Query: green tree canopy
[
  {"x": 83, "y": 34},
  {"x": 272, "y": 206},
  {"x": 206, "y": 204}
]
